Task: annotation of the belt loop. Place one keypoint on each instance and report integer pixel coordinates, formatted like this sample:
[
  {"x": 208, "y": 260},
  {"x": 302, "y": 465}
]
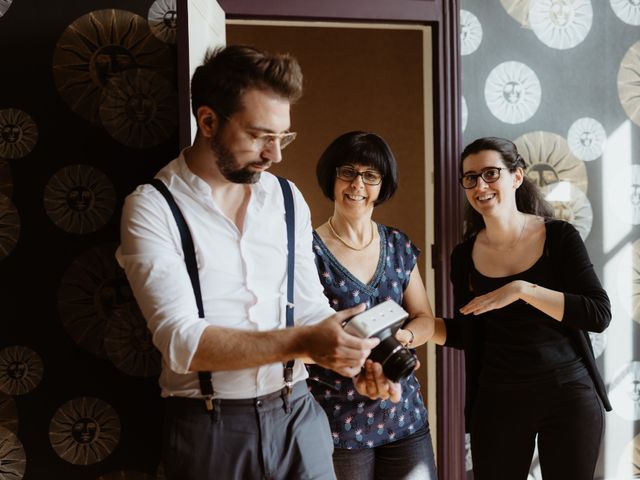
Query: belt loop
[{"x": 285, "y": 399}]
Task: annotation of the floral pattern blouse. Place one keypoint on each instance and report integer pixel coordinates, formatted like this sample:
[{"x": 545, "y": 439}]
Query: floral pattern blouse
[{"x": 356, "y": 421}]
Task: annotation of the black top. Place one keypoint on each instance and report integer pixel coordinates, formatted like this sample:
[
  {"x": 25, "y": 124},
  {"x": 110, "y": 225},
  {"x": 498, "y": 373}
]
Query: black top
[{"x": 564, "y": 266}]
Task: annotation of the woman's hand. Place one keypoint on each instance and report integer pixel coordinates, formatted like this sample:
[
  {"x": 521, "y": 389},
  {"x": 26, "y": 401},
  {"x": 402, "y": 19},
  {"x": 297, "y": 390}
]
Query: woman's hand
[
  {"x": 372, "y": 383},
  {"x": 494, "y": 300}
]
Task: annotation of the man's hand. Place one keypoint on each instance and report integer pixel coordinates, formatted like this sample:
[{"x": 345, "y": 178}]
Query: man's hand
[
  {"x": 331, "y": 347},
  {"x": 373, "y": 384}
]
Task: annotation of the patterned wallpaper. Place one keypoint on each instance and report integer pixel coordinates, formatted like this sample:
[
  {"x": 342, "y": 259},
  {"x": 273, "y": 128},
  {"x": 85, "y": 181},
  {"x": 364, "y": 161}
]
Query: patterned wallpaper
[
  {"x": 88, "y": 110},
  {"x": 562, "y": 79}
]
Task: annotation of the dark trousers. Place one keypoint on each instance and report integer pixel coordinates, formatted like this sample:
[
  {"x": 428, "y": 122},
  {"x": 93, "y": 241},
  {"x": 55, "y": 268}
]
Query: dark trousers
[
  {"x": 410, "y": 458},
  {"x": 568, "y": 419},
  {"x": 248, "y": 439}
]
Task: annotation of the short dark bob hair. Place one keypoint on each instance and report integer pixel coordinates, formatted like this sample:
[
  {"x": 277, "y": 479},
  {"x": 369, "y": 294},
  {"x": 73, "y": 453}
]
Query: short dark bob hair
[{"x": 358, "y": 148}]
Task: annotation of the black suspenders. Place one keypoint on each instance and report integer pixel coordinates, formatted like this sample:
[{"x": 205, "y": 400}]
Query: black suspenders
[{"x": 206, "y": 382}]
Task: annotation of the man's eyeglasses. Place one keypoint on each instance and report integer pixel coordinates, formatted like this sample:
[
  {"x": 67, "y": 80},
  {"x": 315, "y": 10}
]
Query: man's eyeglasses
[
  {"x": 489, "y": 175},
  {"x": 348, "y": 174},
  {"x": 262, "y": 140}
]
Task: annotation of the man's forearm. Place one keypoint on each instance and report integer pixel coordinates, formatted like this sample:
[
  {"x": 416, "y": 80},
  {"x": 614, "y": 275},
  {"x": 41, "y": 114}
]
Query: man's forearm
[{"x": 223, "y": 348}]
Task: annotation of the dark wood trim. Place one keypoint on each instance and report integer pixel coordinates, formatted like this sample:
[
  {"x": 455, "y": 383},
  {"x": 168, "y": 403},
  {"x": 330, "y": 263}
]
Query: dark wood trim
[
  {"x": 448, "y": 208},
  {"x": 184, "y": 98}
]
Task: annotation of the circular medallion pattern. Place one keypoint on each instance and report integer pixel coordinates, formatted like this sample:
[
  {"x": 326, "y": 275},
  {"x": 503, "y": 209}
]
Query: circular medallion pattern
[
  {"x": 624, "y": 391},
  {"x": 571, "y": 205},
  {"x": 560, "y": 24},
  {"x": 13, "y": 460},
  {"x": 586, "y": 139},
  {"x": 624, "y": 199},
  {"x": 6, "y": 182},
  {"x": 8, "y": 413},
  {"x": 139, "y": 109},
  {"x": 627, "y": 10},
  {"x": 629, "y": 83},
  {"x": 84, "y": 431},
  {"x": 128, "y": 343},
  {"x": 163, "y": 20},
  {"x": 549, "y": 160},
  {"x": 512, "y": 92},
  {"x": 79, "y": 199},
  {"x": 4, "y": 6},
  {"x": 18, "y": 134},
  {"x": 518, "y": 9},
  {"x": 470, "y": 32},
  {"x": 20, "y": 370},
  {"x": 9, "y": 226},
  {"x": 98, "y": 46}
]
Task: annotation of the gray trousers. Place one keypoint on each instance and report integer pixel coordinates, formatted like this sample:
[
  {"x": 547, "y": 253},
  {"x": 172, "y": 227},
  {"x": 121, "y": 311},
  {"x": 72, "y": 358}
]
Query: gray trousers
[{"x": 270, "y": 437}]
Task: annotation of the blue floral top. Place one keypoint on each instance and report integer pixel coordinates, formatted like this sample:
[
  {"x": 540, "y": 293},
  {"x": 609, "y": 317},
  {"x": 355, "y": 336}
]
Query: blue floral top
[{"x": 356, "y": 421}]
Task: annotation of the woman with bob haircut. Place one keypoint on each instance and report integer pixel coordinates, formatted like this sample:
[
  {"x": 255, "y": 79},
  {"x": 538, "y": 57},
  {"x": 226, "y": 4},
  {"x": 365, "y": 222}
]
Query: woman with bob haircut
[
  {"x": 360, "y": 261},
  {"x": 526, "y": 295}
]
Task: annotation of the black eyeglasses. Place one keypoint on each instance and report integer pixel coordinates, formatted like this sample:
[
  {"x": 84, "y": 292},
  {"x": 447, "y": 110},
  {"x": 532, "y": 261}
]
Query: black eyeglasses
[
  {"x": 349, "y": 174},
  {"x": 489, "y": 175}
]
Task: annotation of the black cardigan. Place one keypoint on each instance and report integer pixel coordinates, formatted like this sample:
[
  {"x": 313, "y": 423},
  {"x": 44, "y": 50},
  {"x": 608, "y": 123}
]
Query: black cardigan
[{"x": 586, "y": 305}]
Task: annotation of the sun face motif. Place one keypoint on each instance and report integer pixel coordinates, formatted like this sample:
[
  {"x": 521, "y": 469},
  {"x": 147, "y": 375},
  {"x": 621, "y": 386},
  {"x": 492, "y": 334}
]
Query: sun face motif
[
  {"x": 560, "y": 24},
  {"x": 98, "y": 46},
  {"x": 20, "y": 370},
  {"x": 18, "y": 133},
  {"x": 94, "y": 290},
  {"x": 629, "y": 83},
  {"x": 84, "y": 430},
  {"x": 13, "y": 460},
  {"x": 128, "y": 343},
  {"x": 571, "y": 205},
  {"x": 470, "y": 32},
  {"x": 139, "y": 108},
  {"x": 8, "y": 414},
  {"x": 9, "y": 226},
  {"x": 512, "y": 92},
  {"x": 627, "y": 10},
  {"x": 79, "y": 199},
  {"x": 518, "y": 9},
  {"x": 586, "y": 139},
  {"x": 549, "y": 160},
  {"x": 4, "y": 6},
  {"x": 624, "y": 199},
  {"x": 163, "y": 20},
  {"x": 6, "y": 182},
  {"x": 624, "y": 392}
]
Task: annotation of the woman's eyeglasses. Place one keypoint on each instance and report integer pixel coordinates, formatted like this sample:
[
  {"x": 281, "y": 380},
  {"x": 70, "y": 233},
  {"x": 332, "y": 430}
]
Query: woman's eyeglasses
[
  {"x": 348, "y": 174},
  {"x": 489, "y": 175}
]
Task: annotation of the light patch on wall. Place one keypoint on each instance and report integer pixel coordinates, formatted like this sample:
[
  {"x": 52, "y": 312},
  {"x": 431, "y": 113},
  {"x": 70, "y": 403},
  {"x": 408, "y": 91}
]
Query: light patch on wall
[{"x": 518, "y": 9}]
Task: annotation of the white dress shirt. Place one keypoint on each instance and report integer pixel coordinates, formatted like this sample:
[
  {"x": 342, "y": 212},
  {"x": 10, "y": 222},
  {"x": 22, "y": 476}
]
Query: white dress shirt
[{"x": 242, "y": 276}]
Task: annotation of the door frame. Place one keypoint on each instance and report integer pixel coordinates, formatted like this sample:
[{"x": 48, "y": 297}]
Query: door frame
[{"x": 443, "y": 17}]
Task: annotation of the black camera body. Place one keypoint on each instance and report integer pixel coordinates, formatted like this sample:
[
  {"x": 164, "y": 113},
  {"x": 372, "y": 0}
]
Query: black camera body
[{"x": 383, "y": 321}]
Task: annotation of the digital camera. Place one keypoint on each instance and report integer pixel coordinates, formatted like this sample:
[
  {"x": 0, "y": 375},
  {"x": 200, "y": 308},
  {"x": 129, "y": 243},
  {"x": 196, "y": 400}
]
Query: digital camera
[{"x": 383, "y": 321}]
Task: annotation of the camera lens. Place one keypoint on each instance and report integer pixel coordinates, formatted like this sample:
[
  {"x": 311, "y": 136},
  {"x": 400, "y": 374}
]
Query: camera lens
[{"x": 397, "y": 362}]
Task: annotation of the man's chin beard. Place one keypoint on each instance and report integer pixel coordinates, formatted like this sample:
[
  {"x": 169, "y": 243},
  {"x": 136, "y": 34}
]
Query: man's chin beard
[{"x": 243, "y": 175}]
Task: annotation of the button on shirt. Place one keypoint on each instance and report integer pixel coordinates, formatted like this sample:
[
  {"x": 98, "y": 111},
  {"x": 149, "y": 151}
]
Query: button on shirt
[{"x": 242, "y": 276}]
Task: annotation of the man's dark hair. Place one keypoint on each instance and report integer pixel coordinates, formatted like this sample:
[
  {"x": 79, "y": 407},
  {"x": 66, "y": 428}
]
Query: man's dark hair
[
  {"x": 528, "y": 197},
  {"x": 228, "y": 72},
  {"x": 362, "y": 148}
]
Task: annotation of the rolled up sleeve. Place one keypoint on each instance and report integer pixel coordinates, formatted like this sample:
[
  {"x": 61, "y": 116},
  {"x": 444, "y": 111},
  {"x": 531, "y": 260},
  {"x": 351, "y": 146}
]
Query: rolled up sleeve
[{"x": 151, "y": 255}]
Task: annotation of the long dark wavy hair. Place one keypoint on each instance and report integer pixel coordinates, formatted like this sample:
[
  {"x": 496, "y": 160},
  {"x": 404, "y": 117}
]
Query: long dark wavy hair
[{"x": 528, "y": 197}]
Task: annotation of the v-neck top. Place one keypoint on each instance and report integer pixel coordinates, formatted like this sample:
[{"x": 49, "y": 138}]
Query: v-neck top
[{"x": 356, "y": 421}]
